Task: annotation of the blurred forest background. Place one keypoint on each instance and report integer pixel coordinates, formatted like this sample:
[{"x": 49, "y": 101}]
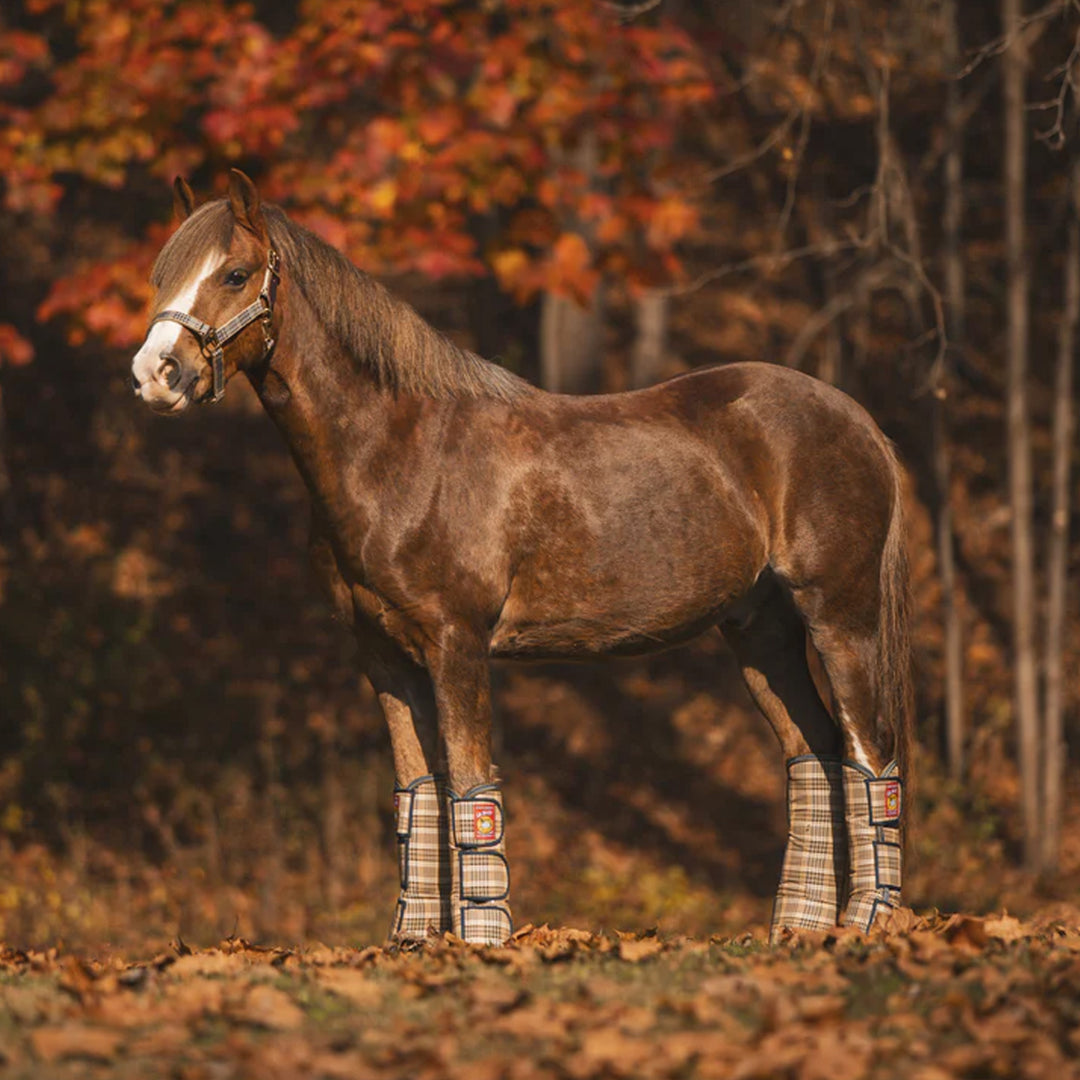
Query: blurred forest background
[{"x": 884, "y": 194}]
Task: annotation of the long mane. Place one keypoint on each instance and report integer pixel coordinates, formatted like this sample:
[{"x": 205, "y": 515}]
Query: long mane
[{"x": 380, "y": 332}]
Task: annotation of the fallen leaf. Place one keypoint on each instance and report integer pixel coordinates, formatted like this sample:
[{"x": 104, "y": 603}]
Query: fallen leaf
[
  {"x": 494, "y": 997},
  {"x": 74, "y": 1041},
  {"x": 1006, "y": 928},
  {"x": 268, "y": 1007},
  {"x": 967, "y": 930},
  {"x": 635, "y": 951},
  {"x": 353, "y": 985}
]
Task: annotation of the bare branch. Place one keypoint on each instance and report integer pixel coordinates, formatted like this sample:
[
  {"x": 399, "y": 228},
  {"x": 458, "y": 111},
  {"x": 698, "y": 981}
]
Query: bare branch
[
  {"x": 821, "y": 60},
  {"x": 1001, "y": 44},
  {"x": 1069, "y": 73},
  {"x": 771, "y": 140},
  {"x": 769, "y": 261},
  {"x": 798, "y": 114},
  {"x": 839, "y": 304}
]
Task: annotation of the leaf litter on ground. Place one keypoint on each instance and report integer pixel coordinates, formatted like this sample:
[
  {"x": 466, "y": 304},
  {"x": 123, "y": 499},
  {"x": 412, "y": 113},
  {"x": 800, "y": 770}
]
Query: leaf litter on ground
[{"x": 925, "y": 996}]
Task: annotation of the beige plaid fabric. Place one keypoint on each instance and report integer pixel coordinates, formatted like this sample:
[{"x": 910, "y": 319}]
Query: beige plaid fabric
[
  {"x": 481, "y": 878},
  {"x": 423, "y": 906},
  {"x": 874, "y": 807},
  {"x": 815, "y": 860}
]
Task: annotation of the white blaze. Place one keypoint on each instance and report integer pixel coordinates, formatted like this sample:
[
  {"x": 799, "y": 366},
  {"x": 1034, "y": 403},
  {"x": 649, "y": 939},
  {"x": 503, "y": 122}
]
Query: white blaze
[{"x": 164, "y": 335}]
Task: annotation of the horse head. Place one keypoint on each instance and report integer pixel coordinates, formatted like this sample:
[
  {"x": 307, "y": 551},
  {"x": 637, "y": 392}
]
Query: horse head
[{"x": 212, "y": 314}]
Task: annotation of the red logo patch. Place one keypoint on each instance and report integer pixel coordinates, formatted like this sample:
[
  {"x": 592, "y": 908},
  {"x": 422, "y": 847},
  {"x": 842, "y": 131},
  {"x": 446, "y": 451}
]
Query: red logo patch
[
  {"x": 483, "y": 821},
  {"x": 892, "y": 799}
]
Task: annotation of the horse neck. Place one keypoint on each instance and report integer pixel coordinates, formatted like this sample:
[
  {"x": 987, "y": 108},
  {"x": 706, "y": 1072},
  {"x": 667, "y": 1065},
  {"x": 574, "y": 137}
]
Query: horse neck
[{"x": 341, "y": 426}]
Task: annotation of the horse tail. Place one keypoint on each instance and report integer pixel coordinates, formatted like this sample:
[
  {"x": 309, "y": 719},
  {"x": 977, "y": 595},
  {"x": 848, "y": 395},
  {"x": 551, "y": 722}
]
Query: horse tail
[{"x": 893, "y": 659}]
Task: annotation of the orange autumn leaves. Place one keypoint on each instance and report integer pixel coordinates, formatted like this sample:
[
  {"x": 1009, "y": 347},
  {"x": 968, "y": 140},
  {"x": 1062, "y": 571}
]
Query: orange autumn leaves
[
  {"x": 392, "y": 128},
  {"x": 928, "y": 998}
]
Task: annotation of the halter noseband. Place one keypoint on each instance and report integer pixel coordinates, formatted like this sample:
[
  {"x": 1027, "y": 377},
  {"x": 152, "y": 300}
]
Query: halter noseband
[{"x": 212, "y": 340}]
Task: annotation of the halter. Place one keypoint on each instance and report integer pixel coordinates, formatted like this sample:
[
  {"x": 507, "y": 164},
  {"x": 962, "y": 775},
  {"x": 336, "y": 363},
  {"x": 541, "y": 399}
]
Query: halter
[{"x": 212, "y": 340}]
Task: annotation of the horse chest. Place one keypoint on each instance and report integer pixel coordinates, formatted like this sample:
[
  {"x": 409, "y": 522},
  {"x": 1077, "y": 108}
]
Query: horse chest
[{"x": 357, "y": 603}]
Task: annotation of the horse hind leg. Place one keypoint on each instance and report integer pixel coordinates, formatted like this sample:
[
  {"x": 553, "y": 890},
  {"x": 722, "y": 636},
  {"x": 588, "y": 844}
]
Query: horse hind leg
[
  {"x": 872, "y": 781},
  {"x": 769, "y": 642}
]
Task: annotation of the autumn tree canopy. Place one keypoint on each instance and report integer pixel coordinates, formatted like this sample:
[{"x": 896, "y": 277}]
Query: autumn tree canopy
[{"x": 388, "y": 127}]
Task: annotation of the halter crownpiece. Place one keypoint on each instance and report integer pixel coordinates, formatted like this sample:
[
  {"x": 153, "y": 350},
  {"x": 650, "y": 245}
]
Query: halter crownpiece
[{"x": 212, "y": 340}]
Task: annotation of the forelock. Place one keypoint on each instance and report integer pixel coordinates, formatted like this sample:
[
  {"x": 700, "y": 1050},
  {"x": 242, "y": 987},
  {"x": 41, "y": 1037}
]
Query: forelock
[{"x": 207, "y": 231}]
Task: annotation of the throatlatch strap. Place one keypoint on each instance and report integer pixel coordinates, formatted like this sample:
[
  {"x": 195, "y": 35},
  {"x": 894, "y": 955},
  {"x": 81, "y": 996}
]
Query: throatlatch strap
[
  {"x": 481, "y": 878},
  {"x": 815, "y": 859},
  {"x": 423, "y": 906},
  {"x": 874, "y": 808}
]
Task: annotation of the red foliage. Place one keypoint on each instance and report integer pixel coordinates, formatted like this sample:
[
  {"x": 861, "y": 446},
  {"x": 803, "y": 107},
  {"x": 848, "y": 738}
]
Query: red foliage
[
  {"x": 386, "y": 125},
  {"x": 14, "y": 348}
]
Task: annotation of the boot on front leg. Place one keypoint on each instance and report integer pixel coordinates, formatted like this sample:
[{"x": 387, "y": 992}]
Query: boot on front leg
[
  {"x": 423, "y": 907},
  {"x": 480, "y": 910}
]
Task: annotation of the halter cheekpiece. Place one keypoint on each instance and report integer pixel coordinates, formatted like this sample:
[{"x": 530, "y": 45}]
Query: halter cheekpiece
[{"x": 213, "y": 339}]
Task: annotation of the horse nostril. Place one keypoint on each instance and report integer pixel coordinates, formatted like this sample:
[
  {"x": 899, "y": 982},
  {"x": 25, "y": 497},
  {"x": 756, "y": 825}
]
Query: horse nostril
[
  {"x": 169, "y": 372},
  {"x": 135, "y": 384}
]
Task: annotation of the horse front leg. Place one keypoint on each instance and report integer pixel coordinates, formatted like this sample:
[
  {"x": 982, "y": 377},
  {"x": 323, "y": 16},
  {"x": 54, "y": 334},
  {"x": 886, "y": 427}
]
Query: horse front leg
[
  {"x": 403, "y": 689},
  {"x": 479, "y": 898},
  {"x": 420, "y": 802}
]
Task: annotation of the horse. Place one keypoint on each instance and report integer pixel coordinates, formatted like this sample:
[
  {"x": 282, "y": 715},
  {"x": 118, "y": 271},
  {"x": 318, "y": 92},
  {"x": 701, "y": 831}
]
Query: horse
[{"x": 461, "y": 514}]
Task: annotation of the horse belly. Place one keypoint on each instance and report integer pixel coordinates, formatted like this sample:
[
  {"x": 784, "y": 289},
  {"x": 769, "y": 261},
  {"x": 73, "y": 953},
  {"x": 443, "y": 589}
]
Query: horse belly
[
  {"x": 583, "y": 636},
  {"x": 636, "y": 589}
]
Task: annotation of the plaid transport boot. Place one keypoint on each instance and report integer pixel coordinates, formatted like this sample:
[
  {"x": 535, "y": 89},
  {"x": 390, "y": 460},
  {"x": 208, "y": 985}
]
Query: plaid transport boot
[
  {"x": 874, "y": 805},
  {"x": 423, "y": 906},
  {"x": 480, "y": 913},
  {"x": 815, "y": 859}
]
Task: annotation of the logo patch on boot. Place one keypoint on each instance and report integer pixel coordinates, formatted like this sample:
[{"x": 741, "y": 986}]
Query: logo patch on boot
[
  {"x": 483, "y": 822},
  {"x": 892, "y": 800}
]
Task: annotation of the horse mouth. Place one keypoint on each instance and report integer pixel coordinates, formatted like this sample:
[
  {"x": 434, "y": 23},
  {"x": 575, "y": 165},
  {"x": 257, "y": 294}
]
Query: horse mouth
[
  {"x": 188, "y": 393},
  {"x": 171, "y": 408}
]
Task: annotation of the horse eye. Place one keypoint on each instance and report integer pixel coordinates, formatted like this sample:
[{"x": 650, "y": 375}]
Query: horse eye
[{"x": 236, "y": 277}]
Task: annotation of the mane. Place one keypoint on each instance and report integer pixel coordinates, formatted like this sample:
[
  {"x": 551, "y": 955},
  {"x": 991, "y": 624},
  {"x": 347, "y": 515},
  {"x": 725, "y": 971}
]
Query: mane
[{"x": 381, "y": 333}]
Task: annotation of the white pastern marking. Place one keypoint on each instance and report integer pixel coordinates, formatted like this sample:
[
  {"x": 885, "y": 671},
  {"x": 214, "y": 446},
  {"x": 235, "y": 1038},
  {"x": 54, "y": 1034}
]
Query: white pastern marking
[{"x": 164, "y": 335}]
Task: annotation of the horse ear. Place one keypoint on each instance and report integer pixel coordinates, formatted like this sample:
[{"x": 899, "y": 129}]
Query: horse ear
[
  {"x": 183, "y": 199},
  {"x": 245, "y": 203}
]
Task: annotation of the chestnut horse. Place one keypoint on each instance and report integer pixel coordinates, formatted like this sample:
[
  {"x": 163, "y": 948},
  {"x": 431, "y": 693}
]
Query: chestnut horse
[{"x": 460, "y": 514}]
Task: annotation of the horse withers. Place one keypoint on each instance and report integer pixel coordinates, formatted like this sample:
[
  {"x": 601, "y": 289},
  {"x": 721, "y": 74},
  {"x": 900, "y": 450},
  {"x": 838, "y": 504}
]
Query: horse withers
[{"x": 461, "y": 514}]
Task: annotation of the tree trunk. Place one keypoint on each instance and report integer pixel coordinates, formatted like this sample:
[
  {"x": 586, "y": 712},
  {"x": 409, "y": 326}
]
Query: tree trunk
[
  {"x": 647, "y": 357},
  {"x": 831, "y": 369},
  {"x": 571, "y": 336},
  {"x": 571, "y": 339},
  {"x": 1019, "y": 438},
  {"x": 1054, "y": 750},
  {"x": 954, "y": 296}
]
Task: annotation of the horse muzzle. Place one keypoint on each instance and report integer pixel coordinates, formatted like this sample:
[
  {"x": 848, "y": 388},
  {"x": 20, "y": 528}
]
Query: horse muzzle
[{"x": 163, "y": 379}]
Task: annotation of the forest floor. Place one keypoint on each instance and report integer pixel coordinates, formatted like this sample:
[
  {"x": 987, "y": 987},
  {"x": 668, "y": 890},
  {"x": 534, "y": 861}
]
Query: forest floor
[{"x": 926, "y": 998}]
